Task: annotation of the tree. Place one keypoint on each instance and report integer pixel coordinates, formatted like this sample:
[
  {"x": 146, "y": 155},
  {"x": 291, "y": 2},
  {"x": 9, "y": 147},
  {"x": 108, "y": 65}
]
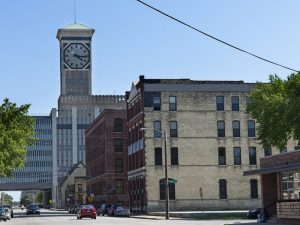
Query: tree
[
  {"x": 25, "y": 200},
  {"x": 276, "y": 108},
  {"x": 7, "y": 199},
  {"x": 17, "y": 132},
  {"x": 39, "y": 198}
]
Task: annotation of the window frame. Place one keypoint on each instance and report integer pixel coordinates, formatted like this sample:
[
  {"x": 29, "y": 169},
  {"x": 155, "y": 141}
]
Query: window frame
[
  {"x": 236, "y": 132},
  {"x": 118, "y": 125},
  {"x": 251, "y": 130},
  {"x": 252, "y": 157},
  {"x": 223, "y": 189},
  {"x": 172, "y": 105},
  {"x": 221, "y": 131},
  {"x": 156, "y": 132},
  {"x": 173, "y": 132},
  {"x": 222, "y": 156},
  {"x": 220, "y": 103},
  {"x": 157, "y": 156},
  {"x": 119, "y": 166},
  {"x": 235, "y": 103},
  {"x": 118, "y": 148},
  {"x": 237, "y": 158},
  {"x": 253, "y": 188},
  {"x": 174, "y": 156},
  {"x": 156, "y": 103}
]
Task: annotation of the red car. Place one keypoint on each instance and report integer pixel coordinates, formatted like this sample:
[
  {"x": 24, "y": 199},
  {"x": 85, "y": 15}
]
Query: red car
[{"x": 86, "y": 211}]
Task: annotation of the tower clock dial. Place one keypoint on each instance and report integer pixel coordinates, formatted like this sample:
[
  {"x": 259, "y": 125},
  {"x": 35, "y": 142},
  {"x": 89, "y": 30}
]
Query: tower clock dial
[{"x": 76, "y": 55}]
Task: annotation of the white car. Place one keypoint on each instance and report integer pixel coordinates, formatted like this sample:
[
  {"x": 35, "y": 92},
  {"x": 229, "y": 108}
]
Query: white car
[{"x": 7, "y": 213}]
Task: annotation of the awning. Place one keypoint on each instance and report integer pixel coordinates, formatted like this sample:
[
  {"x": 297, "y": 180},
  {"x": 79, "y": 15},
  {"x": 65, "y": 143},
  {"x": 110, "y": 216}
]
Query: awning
[{"x": 274, "y": 169}]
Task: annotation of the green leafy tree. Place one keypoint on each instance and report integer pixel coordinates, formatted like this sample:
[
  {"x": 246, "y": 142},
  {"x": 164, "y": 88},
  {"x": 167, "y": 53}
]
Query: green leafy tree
[
  {"x": 276, "y": 108},
  {"x": 16, "y": 133},
  {"x": 39, "y": 197},
  {"x": 7, "y": 199},
  {"x": 25, "y": 200}
]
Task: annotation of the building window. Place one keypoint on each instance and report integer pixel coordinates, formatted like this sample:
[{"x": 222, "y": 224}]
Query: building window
[
  {"x": 118, "y": 125},
  {"x": 235, "y": 105},
  {"x": 237, "y": 156},
  {"x": 252, "y": 155},
  {"x": 162, "y": 189},
  {"x": 119, "y": 165},
  {"x": 220, "y": 103},
  {"x": 119, "y": 186},
  {"x": 172, "y": 103},
  {"x": 221, "y": 128},
  {"x": 251, "y": 128},
  {"x": 118, "y": 143},
  {"x": 283, "y": 150},
  {"x": 157, "y": 128},
  {"x": 173, "y": 128},
  {"x": 253, "y": 188},
  {"x": 289, "y": 185},
  {"x": 158, "y": 156},
  {"x": 268, "y": 151},
  {"x": 236, "y": 128},
  {"x": 223, "y": 188},
  {"x": 222, "y": 155},
  {"x": 174, "y": 156},
  {"x": 156, "y": 103}
]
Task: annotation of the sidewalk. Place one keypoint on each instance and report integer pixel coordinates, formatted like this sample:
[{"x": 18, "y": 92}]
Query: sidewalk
[{"x": 191, "y": 214}]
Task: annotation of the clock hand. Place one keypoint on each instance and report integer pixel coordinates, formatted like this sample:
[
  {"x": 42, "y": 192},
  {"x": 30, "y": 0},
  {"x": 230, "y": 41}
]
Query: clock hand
[{"x": 78, "y": 56}]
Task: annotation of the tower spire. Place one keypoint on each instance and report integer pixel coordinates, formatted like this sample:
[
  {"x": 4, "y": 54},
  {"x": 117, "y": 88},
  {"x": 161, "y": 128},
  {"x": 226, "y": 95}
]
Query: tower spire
[{"x": 75, "y": 11}]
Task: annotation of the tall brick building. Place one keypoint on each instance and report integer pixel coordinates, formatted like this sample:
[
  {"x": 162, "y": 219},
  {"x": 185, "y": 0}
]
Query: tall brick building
[
  {"x": 106, "y": 158},
  {"x": 211, "y": 140}
]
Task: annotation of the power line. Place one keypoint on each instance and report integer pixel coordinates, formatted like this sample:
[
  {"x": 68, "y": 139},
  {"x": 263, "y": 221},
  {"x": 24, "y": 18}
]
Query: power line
[{"x": 216, "y": 39}]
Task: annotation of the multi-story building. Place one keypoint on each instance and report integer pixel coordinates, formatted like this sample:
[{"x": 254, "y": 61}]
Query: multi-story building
[
  {"x": 106, "y": 158},
  {"x": 37, "y": 173},
  {"x": 77, "y": 107},
  {"x": 210, "y": 141}
]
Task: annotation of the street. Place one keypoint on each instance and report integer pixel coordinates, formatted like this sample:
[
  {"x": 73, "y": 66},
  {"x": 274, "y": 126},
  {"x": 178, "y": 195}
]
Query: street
[{"x": 49, "y": 217}]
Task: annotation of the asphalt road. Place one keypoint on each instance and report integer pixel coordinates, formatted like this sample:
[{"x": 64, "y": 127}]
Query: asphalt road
[{"x": 48, "y": 217}]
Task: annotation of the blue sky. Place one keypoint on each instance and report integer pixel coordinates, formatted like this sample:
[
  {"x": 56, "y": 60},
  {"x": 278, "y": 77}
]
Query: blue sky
[{"x": 131, "y": 40}]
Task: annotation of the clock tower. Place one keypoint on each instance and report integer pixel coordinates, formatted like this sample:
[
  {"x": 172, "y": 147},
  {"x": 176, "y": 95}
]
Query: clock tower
[{"x": 75, "y": 59}]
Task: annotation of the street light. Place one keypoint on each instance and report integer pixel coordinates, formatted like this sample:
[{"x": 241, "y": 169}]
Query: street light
[{"x": 166, "y": 169}]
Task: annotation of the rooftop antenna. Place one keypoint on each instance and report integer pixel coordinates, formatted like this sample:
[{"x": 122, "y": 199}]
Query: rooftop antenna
[{"x": 75, "y": 11}]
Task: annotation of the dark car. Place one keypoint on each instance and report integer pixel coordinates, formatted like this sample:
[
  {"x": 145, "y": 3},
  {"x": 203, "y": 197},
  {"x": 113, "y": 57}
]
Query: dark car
[
  {"x": 10, "y": 209},
  {"x": 103, "y": 209},
  {"x": 86, "y": 211},
  {"x": 33, "y": 209},
  {"x": 253, "y": 213},
  {"x": 2, "y": 214}
]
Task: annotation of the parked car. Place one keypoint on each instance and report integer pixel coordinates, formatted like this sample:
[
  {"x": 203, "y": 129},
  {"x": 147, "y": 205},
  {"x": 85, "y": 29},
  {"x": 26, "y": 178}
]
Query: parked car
[
  {"x": 253, "y": 213},
  {"x": 103, "y": 209},
  {"x": 10, "y": 210},
  {"x": 115, "y": 210},
  {"x": 86, "y": 211},
  {"x": 122, "y": 211},
  {"x": 7, "y": 213},
  {"x": 2, "y": 214},
  {"x": 33, "y": 209},
  {"x": 112, "y": 209}
]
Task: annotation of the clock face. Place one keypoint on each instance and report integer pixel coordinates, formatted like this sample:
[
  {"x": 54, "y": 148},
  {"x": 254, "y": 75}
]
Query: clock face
[{"x": 76, "y": 55}]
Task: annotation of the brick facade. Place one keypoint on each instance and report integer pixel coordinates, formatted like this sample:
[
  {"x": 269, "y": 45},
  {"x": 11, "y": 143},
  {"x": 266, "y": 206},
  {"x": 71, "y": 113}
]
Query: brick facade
[{"x": 106, "y": 158}]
